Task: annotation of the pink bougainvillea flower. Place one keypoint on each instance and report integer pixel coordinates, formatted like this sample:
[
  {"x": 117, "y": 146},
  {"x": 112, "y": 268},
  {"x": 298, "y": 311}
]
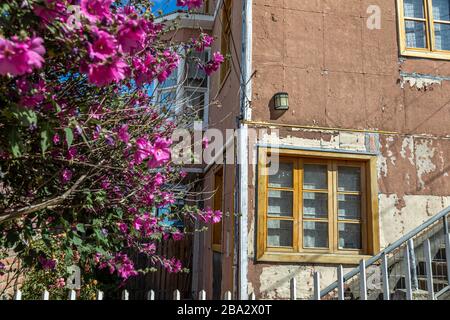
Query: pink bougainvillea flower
[
  {"x": 132, "y": 35},
  {"x": 177, "y": 235},
  {"x": 50, "y": 10},
  {"x": 160, "y": 152},
  {"x": 21, "y": 57},
  {"x": 2, "y": 268},
  {"x": 71, "y": 153},
  {"x": 143, "y": 147},
  {"x": 191, "y": 4},
  {"x": 103, "y": 47},
  {"x": 204, "y": 41},
  {"x": 66, "y": 176},
  {"x": 102, "y": 74},
  {"x": 47, "y": 264},
  {"x": 123, "y": 228},
  {"x": 205, "y": 142},
  {"x": 123, "y": 134},
  {"x": 214, "y": 64},
  {"x": 95, "y": 10},
  {"x": 56, "y": 139}
]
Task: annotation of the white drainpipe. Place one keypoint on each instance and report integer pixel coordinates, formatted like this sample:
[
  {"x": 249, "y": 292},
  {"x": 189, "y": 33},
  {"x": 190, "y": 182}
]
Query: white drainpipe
[{"x": 243, "y": 145}]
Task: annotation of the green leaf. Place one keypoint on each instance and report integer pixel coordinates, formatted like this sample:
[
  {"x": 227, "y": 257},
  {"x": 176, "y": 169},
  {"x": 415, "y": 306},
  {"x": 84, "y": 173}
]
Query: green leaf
[
  {"x": 80, "y": 227},
  {"x": 14, "y": 142},
  {"x": 69, "y": 136},
  {"x": 77, "y": 240},
  {"x": 45, "y": 139}
]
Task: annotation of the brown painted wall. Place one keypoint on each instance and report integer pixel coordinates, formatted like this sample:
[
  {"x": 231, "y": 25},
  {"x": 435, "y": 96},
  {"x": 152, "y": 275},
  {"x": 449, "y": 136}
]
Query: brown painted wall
[{"x": 340, "y": 74}]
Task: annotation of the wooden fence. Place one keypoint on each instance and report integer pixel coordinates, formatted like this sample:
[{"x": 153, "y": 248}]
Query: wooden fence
[{"x": 163, "y": 282}]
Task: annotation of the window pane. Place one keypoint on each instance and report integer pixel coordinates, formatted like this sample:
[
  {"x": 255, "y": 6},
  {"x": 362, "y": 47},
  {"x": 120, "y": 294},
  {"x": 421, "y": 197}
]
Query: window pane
[
  {"x": 195, "y": 103},
  {"x": 280, "y": 203},
  {"x": 441, "y": 9},
  {"x": 283, "y": 178},
  {"x": 315, "y": 234},
  {"x": 349, "y": 236},
  {"x": 315, "y": 205},
  {"x": 413, "y": 8},
  {"x": 415, "y": 34},
  {"x": 315, "y": 176},
  {"x": 442, "y": 36},
  {"x": 349, "y": 179},
  {"x": 279, "y": 233},
  {"x": 196, "y": 77},
  {"x": 349, "y": 207}
]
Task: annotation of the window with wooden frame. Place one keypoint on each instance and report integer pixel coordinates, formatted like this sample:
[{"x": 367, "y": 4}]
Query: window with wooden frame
[
  {"x": 317, "y": 207},
  {"x": 226, "y": 39},
  {"x": 424, "y": 27}
]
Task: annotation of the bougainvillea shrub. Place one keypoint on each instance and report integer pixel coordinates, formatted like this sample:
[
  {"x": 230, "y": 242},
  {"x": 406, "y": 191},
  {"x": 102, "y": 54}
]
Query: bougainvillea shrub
[{"x": 85, "y": 158}]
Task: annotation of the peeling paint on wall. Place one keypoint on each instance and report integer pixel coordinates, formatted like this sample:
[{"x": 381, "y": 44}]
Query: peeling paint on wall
[
  {"x": 424, "y": 154},
  {"x": 420, "y": 81}
]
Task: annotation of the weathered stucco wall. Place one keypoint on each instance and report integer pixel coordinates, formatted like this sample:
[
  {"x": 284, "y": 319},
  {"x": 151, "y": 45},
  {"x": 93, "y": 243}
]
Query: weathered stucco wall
[{"x": 340, "y": 74}]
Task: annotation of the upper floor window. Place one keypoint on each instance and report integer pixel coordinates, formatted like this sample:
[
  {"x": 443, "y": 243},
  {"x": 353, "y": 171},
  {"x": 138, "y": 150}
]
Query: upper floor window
[
  {"x": 185, "y": 91},
  {"x": 226, "y": 39},
  {"x": 317, "y": 209},
  {"x": 424, "y": 28}
]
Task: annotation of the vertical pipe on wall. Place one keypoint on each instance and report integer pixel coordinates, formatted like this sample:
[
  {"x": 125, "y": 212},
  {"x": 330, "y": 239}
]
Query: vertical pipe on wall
[{"x": 245, "y": 96}]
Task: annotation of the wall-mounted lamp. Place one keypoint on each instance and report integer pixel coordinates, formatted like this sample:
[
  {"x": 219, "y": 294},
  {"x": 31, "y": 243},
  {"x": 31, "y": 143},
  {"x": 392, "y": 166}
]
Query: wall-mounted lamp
[{"x": 281, "y": 101}]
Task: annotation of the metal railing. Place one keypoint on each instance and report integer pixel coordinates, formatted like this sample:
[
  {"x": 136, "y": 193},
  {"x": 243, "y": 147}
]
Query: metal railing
[{"x": 399, "y": 262}]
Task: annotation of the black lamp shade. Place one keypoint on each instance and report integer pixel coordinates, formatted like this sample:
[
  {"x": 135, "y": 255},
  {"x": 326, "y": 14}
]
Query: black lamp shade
[{"x": 281, "y": 101}]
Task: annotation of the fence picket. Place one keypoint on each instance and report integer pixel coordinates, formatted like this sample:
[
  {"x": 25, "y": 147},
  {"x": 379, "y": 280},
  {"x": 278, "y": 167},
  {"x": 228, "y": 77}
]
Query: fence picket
[
  {"x": 72, "y": 295},
  {"x": 316, "y": 285},
  {"x": 227, "y": 295},
  {"x": 99, "y": 295},
  {"x": 385, "y": 277},
  {"x": 447, "y": 252},
  {"x": 428, "y": 269},
  {"x": 408, "y": 285},
  {"x": 362, "y": 280},
  {"x": 151, "y": 295},
  {"x": 45, "y": 295},
  {"x": 340, "y": 280},
  {"x": 293, "y": 289},
  {"x": 18, "y": 295}
]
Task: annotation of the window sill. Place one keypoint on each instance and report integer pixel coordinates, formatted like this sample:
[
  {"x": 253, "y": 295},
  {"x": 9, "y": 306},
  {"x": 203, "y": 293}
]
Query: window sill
[
  {"x": 329, "y": 258},
  {"x": 441, "y": 55}
]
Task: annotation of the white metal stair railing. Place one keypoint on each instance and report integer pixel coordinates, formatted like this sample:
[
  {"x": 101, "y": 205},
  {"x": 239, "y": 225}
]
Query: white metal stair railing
[{"x": 399, "y": 261}]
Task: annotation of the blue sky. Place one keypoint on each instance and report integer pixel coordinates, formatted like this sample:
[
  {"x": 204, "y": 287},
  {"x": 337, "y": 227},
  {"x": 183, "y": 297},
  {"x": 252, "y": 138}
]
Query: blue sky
[{"x": 166, "y": 6}]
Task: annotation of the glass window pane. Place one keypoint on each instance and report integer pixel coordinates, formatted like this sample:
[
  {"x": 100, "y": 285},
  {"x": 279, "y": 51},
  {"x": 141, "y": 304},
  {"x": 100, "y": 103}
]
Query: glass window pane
[
  {"x": 283, "y": 178},
  {"x": 315, "y": 176},
  {"x": 280, "y": 203},
  {"x": 279, "y": 233},
  {"x": 413, "y": 8},
  {"x": 315, "y": 205},
  {"x": 349, "y": 179},
  {"x": 315, "y": 234},
  {"x": 195, "y": 103},
  {"x": 349, "y": 236},
  {"x": 349, "y": 206},
  {"x": 415, "y": 34},
  {"x": 442, "y": 36},
  {"x": 441, "y": 10},
  {"x": 196, "y": 76}
]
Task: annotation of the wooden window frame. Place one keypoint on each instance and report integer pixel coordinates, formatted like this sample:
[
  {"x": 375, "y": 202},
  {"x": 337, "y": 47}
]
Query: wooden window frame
[
  {"x": 296, "y": 253},
  {"x": 430, "y": 51},
  {"x": 225, "y": 41}
]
